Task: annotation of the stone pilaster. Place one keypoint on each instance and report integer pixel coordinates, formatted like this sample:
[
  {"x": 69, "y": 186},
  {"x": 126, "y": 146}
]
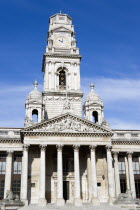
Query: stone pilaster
[
  {"x": 24, "y": 175},
  {"x": 131, "y": 174},
  {"x": 8, "y": 174},
  {"x": 95, "y": 200},
  {"x": 42, "y": 186},
  {"x": 117, "y": 175},
  {"x": 77, "y": 199},
  {"x": 60, "y": 200},
  {"x": 110, "y": 175}
]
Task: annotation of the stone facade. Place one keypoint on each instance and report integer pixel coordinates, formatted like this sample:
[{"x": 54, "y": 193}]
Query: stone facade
[{"x": 63, "y": 157}]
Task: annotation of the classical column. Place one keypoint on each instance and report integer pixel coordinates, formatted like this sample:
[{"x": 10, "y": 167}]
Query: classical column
[
  {"x": 77, "y": 199},
  {"x": 110, "y": 175},
  {"x": 42, "y": 185},
  {"x": 89, "y": 178},
  {"x": 127, "y": 174},
  {"x": 131, "y": 174},
  {"x": 8, "y": 174},
  {"x": 24, "y": 175},
  {"x": 117, "y": 175},
  {"x": 95, "y": 200},
  {"x": 60, "y": 200}
]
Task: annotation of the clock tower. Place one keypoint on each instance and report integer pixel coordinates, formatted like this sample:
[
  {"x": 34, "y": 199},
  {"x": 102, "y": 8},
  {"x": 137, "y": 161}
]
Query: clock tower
[{"x": 61, "y": 68}]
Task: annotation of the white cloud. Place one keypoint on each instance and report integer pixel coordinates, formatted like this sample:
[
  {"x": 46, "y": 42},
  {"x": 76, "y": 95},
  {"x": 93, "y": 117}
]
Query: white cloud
[
  {"x": 114, "y": 89},
  {"x": 120, "y": 97}
]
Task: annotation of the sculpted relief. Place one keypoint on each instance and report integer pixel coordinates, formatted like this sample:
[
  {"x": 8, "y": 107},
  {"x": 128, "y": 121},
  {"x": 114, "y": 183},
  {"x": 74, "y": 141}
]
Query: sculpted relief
[{"x": 67, "y": 125}]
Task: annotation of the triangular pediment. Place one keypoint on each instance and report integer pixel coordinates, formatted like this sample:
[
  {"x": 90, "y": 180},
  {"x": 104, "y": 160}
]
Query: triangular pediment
[
  {"x": 61, "y": 29},
  {"x": 68, "y": 123}
]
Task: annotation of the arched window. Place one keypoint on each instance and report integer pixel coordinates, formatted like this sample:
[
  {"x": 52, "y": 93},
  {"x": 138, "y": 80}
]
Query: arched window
[
  {"x": 35, "y": 115},
  {"x": 62, "y": 79},
  {"x": 95, "y": 117}
]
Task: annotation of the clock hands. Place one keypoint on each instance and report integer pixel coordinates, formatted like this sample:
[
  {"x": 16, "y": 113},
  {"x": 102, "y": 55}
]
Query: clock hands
[{"x": 61, "y": 40}]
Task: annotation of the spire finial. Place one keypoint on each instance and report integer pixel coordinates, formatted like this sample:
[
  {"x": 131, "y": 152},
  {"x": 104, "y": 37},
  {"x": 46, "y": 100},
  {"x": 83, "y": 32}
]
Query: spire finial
[
  {"x": 91, "y": 86},
  {"x": 35, "y": 84},
  {"x": 60, "y": 11}
]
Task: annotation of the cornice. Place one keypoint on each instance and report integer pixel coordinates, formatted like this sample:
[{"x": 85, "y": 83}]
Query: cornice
[
  {"x": 10, "y": 140},
  {"x": 126, "y": 142},
  {"x": 62, "y": 55},
  {"x": 40, "y": 133}
]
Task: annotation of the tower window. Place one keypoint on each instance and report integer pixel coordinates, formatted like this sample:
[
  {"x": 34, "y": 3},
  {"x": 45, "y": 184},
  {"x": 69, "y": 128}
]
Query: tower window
[
  {"x": 95, "y": 117},
  {"x": 35, "y": 115},
  {"x": 62, "y": 79}
]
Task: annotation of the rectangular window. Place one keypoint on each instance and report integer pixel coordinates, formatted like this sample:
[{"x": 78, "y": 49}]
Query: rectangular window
[
  {"x": 1, "y": 189},
  {"x": 17, "y": 167},
  {"x": 16, "y": 187},
  {"x": 2, "y": 164},
  {"x": 136, "y": 168},
  {"x": 121, "y": 167}
]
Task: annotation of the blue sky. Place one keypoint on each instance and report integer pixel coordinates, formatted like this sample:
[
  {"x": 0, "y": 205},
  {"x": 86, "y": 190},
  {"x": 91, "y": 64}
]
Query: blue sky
[{"x": 108, "y": 35}]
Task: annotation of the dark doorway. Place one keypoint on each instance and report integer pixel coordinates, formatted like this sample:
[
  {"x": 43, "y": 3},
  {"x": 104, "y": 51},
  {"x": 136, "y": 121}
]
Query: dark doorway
[
  {"x": 123, "y": 185},
  {"x": 66, "y": 190},
  {"x": 137, "y": 186}
]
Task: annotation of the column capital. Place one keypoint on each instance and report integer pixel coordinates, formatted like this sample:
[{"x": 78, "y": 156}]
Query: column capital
[
  {"x": 10, "y": 153},
  {"x": 76, "y": 147},
  {"x": 59, "y": 147},
  {"x": 43, "y": 146},
  {"x": 92, "y": 147},
  {"x": 26, "y": 147},
  {"x": 115, "y": 153},
  {"x": 129, "y": 153},
  {"x": 108, "y": 148}
]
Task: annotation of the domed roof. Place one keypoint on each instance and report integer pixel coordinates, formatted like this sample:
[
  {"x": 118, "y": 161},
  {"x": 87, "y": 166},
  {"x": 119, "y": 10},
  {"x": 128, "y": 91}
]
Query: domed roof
[
  {"x": 92, "y": 97},
  {"x": 34, "y": 95}
]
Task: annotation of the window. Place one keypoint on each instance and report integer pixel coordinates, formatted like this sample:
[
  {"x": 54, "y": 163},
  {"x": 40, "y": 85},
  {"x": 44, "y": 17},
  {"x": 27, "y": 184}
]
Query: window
[
  {"x": 2, "y": 189},
  {"x": 2, "y": 164},
  {"x": 95, "y": 117},
  {"x": 16, "y": 187},
  {"x": 35, "y": 115},
  {"x": 121, "y": 167},
  {"x": 136, "y": 168},
  {"x": 62, "y": 79},
  {"x": 17, "y": 167}
]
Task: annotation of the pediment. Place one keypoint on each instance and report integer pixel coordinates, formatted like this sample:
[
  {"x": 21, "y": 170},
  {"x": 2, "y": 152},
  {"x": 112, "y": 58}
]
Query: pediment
[
  {"x": 61, "y": 29},
  {"x": 68, "y": 123}
]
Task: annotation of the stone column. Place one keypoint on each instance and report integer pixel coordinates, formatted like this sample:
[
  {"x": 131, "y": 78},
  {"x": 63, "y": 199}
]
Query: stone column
[
  {"x": 110, "y": 175},
  {"x": 95, "y": 200},
  {"x": 117, "y": 175},
  {"x": 24, "y": 175},
  {"x": 89, "y": 178},
  {"x": 127, "y": 174},
  {"x": 8, "y": 174},
  {"x": 131, "y": 174},
  {"x": 42, "y": 185},
  {"x": 77, "y": 199},
  {"x": 60, "y": 200}
]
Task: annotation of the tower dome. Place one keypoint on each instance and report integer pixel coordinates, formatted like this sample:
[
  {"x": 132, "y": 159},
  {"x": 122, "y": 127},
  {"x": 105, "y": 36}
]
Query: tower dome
[
  {"x": 34, "y": 95},
  {"x": 92, "y": 97},
  {"x": 34, "y": 107},
  {"x": 93, "y": 107}
]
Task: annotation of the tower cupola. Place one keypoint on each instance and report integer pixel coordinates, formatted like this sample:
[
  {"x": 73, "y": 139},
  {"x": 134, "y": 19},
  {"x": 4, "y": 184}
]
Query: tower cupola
[
  {"x": 93, "y": 107},
  {"x": 34, "y": 107}
]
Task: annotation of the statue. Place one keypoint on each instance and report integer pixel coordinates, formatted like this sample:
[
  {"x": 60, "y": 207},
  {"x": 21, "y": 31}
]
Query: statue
[{"x": 10, "y": 196}]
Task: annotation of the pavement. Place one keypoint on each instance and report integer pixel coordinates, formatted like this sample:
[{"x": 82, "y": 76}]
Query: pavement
[{"x": 103, "y": 206}]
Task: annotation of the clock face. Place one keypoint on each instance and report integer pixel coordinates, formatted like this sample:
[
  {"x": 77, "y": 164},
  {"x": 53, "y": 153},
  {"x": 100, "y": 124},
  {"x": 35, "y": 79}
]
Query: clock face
[{"x": 62, "y": 42}]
